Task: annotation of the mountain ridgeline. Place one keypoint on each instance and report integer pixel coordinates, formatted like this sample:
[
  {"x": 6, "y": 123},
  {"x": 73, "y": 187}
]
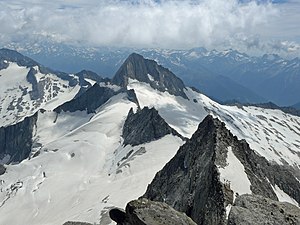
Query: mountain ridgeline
[{"x": 148, "y": 71}]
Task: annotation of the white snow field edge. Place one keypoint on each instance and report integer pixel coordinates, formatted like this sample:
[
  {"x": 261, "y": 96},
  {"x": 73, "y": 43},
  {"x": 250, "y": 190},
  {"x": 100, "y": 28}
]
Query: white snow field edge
[{"x": 84, "y": 170}]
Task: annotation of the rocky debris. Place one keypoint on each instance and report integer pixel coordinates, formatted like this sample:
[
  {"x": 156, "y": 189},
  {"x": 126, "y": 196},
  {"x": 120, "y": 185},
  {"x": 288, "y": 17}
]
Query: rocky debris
[
  {"x": 191, "y": 183},
  {"x": 146, "y": 212},
  {"x": 16, "y": 140},
  {"x": 2, "y": 169},
  {"x": 76, "y": 223},
  {"x": 148, "y": 71},
  {"x": 257, "y": 210},
  {"x": 144, "y": 126}
]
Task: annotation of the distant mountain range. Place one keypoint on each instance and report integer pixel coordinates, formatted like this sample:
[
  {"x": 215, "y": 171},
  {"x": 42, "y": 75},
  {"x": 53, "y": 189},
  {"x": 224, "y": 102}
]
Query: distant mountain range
[{"x": 222, "y": 75}]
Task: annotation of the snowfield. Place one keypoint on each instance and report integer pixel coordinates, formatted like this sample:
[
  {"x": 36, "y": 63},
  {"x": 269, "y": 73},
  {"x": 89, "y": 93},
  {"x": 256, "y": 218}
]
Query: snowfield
[
  {"x": 15, "y": 100},
  {"x": 83, "y": 169}
]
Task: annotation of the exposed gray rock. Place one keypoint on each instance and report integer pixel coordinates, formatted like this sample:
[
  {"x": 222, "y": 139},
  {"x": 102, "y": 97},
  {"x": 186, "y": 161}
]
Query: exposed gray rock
[
  {"x": 90, "y": 100},
  {"x": 257, "y": 210},
  {"x": 190, "y": 181},
  {"x": 76, "y": 223},
  {"x": 146, "y": 212},
  {"x": 16, "y": 140},
  {"x": 148, "y": 71},
  {"x": 93, "y": 98},
  {"x": 144, "y": 126},
  {"x": 2, "y": 169}
]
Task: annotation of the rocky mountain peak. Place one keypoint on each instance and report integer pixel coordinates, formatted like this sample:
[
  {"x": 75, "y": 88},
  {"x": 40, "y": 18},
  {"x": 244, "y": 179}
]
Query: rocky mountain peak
[
  {"x": 197, "y": 171},
  {"x": 145, "y": 70}
]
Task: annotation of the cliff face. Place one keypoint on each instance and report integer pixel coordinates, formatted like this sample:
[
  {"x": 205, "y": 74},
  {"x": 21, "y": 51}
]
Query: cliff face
[
  {"x": 191, "y": 182},
  {"x": 93, "y": 98},
  {"x": 144, "y": 126},
  {"x": 16, "y": 140},
  {"x": 148, "y": 71}
]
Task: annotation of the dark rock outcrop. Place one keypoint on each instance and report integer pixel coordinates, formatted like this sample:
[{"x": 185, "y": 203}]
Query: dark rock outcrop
[
  {"x": 257, "y": 210},
  {"x": 146, "y": 212},
  {"x": 90, "y": 100},
  {"x": 76, "y": 223},
  {"x": 93, "y": 98},
  {"x": 16, "y": 140},
  {"x": 2, "y": 169},
  {"x": 144, "y": 126},
  {"x": 190, "y": 181},
  {"x": 148, "y": 71}
]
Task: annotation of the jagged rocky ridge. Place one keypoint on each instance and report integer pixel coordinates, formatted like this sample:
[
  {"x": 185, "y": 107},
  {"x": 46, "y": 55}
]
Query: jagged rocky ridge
[
  {"x": 93, "y": 98},
  {"x": 144, "y": 126},
  {"x": 16, "y": 140},
  {"x": 191, "y": 183},
  {"x": 148, "y": 71},
  {"x": 146, "y": 212}
]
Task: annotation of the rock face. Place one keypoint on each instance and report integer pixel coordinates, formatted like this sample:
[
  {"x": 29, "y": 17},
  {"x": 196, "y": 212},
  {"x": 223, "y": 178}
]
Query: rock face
[
  {"x": 257, "y": 210},
  {"x": 191, "y": 183},
  {"x": 148, "y": 71},
  {"x": 2, "y": 169},
  {"x": 90, "y": 100},
  {"x": 16, "y": 140},
  {"x": 146, "y": 212},
  {"x": 144, "y": 126},
  {"x": 93, "y": 98},
  {"x": 76, "y": 223}
]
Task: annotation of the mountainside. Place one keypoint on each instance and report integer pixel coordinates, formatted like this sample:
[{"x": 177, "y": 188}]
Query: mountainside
[
  {"x": 27, "y": 86},
  {"x": 212, "y": 168},
  {"x": 101, "y": 148},
  {"x": 136, "y": 67}
]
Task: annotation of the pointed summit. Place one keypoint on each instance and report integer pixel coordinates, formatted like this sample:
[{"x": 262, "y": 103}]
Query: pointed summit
[
  {"x": 197, "y": 180},
  {"x": 148, "y": 71}
]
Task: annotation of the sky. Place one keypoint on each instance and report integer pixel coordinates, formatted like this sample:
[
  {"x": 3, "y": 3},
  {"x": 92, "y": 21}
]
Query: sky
[{"x": 247, "y": 25}]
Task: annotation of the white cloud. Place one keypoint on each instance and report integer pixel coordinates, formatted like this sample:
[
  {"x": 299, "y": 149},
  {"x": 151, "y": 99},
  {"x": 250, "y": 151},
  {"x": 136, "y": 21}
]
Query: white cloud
[{"x": 168, "y": 24}]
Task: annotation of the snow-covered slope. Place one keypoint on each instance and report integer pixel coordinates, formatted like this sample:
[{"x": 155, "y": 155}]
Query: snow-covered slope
[
  {"x": 82, "y": 169},
  {"x": 79, "y": 167},
  {"x": 27, "y": 86}
]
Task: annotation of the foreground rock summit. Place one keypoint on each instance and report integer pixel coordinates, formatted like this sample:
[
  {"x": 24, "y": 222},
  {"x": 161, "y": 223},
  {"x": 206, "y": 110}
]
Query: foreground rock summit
[
  {"x": 257, "y": 210},
  {"x": 146, "y": 212},
  {"x": 247, "y": 210}
]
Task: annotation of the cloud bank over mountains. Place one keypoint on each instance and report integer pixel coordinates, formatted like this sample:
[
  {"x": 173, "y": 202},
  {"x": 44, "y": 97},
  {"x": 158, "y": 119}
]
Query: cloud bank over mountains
[{"x": 165, "y": 24}]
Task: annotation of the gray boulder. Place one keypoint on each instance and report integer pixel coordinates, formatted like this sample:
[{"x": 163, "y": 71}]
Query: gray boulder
[
  {"x": 257, "y": 210},
  {"x": 146, "y": 212}
]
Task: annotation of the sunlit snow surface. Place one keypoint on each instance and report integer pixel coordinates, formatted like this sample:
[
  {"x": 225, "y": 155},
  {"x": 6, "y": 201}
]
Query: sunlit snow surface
[
  {"x": 15, "y": 100},
  {"x": 83, "y": 168}
]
